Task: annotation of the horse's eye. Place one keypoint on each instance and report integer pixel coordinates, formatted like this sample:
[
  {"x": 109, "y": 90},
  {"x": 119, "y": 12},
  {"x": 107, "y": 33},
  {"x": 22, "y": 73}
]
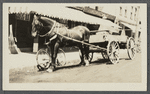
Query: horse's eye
[{"x": 41, "y": 24}]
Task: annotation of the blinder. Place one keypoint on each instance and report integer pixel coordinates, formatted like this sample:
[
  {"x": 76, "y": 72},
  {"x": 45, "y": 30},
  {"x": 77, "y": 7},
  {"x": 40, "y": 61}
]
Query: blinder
[{"x": 38, "y": 26}]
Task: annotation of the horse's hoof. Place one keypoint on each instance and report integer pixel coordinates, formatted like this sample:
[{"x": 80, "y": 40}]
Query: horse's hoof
[
  {"x": 86, "y": 65},
  {"x": 49, "y": 70}
]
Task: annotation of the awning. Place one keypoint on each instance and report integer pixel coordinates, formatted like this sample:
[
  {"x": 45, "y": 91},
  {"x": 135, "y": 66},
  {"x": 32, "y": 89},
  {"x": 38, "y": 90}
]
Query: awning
[
  {"x": 111, "y": 29},
  {"x": 61, "y": 12},
  {"x": 129, "y": 26}
]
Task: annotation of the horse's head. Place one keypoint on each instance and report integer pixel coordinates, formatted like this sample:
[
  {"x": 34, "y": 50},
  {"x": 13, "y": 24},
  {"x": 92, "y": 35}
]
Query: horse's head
[{"x": 36, "y": 26}]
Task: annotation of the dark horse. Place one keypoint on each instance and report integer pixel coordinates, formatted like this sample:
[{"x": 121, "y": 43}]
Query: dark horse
[{"x": 51, "y": 29}]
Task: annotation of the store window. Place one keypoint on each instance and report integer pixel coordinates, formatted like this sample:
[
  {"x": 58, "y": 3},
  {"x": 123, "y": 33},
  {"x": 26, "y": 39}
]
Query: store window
[
  {"x": 96, "y": 8},
  {"x": 132, "y": 9},
  {"x": 120, "y": 11},
  {"x": 135, "y": 14},
  {"x": 131, "y": 17},
  {"x": 125, "y": 15}
]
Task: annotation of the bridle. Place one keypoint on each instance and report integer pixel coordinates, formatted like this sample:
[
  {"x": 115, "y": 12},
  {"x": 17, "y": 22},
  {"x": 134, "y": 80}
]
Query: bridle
[{"x": 51, "y": 31}]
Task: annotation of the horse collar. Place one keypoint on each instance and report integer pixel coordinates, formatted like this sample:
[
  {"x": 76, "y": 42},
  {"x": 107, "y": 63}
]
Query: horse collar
[{"x": 48, "y": 33}]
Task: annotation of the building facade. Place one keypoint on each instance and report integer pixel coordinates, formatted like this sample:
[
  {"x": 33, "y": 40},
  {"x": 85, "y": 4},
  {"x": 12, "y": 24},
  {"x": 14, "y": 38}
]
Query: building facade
[
  {"x": 126, "y": 16},
  {"x": 125, "y": 12}
]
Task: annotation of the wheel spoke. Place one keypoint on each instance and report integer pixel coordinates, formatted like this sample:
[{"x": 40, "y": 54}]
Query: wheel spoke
[
  {"x": 116, "y": 46},
  {"x": 132, "y": 44},
  {"x": 133, "y": 50},
  {"x": 116, "y": 55}
]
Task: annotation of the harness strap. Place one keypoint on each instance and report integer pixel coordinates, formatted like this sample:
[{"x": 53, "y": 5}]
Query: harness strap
[
  {"x": 52, "y": 38},
  {"x": 68, "y": 33},
  {"x": 55, "y": 35},
  {"x": 57, "y": 28}
]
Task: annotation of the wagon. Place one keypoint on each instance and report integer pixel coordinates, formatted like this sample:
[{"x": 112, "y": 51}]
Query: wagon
[{"x": 111, "y": 42}]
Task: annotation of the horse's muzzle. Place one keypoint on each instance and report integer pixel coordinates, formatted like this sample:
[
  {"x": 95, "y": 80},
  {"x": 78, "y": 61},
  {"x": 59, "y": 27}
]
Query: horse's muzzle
[{"x": 34, "y": 34}]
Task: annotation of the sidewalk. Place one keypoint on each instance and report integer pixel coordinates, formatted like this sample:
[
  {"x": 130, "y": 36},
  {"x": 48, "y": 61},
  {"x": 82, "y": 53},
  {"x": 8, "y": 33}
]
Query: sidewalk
[{"x": 29, "y": 59}]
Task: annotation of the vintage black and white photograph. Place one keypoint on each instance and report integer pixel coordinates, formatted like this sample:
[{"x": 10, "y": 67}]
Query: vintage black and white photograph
[{"x": 49, "y": 46}]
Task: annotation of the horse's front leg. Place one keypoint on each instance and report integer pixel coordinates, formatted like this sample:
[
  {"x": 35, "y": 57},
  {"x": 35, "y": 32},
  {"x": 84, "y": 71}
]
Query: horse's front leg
[
  {"x": 51, "y": 67},
  {"x": 56, "y": 48},
  {"x": 54, "y": 51}
]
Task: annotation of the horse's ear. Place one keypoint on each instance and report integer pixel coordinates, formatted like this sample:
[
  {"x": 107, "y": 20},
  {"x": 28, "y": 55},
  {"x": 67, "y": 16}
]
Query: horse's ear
[{"x": 37, "y": 17}]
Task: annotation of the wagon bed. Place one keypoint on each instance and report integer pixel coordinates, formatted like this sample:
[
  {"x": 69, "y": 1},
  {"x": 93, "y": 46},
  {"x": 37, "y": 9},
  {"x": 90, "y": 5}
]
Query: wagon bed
[{"x": 98, "y": 37}]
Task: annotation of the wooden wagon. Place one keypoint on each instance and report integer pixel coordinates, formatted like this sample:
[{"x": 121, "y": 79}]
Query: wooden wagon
[{"x": 111, "y": 42}]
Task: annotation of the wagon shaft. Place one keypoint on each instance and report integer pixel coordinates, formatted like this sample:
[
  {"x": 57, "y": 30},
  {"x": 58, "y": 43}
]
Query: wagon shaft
[
  {"x": 100, "y": 48},
  {"x": 92, "y": 49}
]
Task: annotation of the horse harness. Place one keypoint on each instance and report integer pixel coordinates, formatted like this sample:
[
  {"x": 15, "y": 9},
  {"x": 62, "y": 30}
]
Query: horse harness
[{"x": 56, "y": 33}]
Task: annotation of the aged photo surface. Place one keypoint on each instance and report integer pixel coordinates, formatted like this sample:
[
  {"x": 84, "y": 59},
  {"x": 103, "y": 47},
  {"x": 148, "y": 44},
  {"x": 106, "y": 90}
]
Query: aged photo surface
[{"x": 87, "y": 47}]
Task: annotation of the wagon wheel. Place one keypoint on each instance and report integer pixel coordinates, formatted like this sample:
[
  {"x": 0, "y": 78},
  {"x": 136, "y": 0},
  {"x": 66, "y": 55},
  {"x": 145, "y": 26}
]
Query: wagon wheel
[
  {"x": 90, "y": 56},
  {"x": 104, "y": 55},
  {"x": 43, "y": 59},
  {"x": 61, "y": 58},
  {"x": 113, "y": 52},
  {"x": 131, "y": 50}
]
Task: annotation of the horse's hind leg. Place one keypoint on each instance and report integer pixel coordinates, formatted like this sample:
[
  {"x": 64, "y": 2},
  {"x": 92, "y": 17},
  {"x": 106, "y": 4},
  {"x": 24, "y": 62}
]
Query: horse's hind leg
[
  {"x": 87, "y": 51},
  {"x": 86, "y": 48},
  {"x": 86, "y": 55},
  {"x": 82, "y": 55}
]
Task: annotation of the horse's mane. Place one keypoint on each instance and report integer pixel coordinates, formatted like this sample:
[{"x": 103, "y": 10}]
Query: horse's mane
[
  {"x": 57, "y": 25},
  {"x": 48, "y": 19}
]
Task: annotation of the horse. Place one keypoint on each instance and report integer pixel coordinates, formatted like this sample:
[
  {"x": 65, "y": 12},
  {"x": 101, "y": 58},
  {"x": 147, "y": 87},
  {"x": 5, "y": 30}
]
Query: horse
[{"x": 49, "y": 28}]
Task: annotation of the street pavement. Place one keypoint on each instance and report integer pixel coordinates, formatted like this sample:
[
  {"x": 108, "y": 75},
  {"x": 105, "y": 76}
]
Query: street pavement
[{"x": 99, "y": 71}]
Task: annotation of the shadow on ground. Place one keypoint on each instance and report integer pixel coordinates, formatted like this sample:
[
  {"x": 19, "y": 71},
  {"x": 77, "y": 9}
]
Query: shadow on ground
[{"x": 97, "y": 62}]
